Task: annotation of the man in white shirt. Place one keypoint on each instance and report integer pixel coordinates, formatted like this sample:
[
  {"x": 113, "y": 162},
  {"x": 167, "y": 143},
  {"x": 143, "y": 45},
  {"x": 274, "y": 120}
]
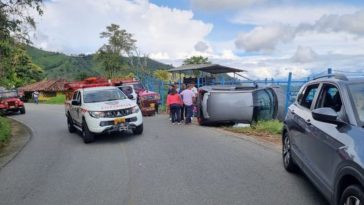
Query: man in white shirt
[{"x": 188, "y": 97}]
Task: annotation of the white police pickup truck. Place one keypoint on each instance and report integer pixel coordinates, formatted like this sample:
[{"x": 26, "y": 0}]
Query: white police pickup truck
[{"x": 99, "y": 110}]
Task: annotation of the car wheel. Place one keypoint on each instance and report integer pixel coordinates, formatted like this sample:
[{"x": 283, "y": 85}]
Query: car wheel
[
  {"x": 87, "y": 136},
  {"x": 352, "y": 195},
  {"x": 22, "y": 110},
  {"x": 71, "y": 127},
  {"x": 138, "y": 130},
  {"x": 288, "y": 161}
]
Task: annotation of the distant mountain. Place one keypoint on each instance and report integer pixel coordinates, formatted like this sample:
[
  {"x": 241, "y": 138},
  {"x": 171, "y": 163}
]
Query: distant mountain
[{"x": 58, "y": 65}]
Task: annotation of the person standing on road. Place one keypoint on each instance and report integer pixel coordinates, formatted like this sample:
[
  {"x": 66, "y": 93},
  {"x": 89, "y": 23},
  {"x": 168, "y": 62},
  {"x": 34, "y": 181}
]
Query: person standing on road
[
  {"x": 188, "y": 97},
  {"x": 194, "y": 107},
  {"x": 174, "y": 102},
  {"x": 35, "y": 96},
  {"x": 183, "y": 110}
]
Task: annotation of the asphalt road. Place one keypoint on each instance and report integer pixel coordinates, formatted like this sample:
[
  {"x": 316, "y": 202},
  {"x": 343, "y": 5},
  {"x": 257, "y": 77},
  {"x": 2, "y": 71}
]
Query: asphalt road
[{"x": 167, "y": 165}]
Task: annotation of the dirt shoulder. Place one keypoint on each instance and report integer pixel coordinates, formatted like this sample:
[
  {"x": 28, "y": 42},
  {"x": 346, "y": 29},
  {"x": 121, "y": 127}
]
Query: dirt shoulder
[
  {"x": 20, "y": 135},
  {"x": 267, "y": 140}
]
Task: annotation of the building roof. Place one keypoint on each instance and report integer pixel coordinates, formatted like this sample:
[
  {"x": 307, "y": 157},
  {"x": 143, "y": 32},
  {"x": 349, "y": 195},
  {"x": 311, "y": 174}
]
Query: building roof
[
  {"x": 45, "y": 85},
  {"x": 209, "y": 68}
]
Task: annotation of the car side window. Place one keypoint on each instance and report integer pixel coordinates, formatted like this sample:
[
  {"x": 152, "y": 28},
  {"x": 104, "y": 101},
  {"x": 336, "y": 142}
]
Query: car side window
[
  {"x": 329, "y": 97},
  {"x": 308, "y": 96},
  {"x": 74, "y": 97},
  {"x": 78, "y": 98}
]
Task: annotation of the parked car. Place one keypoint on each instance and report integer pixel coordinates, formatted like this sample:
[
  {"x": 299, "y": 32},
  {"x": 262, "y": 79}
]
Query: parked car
[
  {"x": 10, "y": 102},
  {"x": 323, "y": 135},
  {"x": 222, "y": 104},
  {"x": 102, "y": 109},
  {"x": 148, "y": 102}
]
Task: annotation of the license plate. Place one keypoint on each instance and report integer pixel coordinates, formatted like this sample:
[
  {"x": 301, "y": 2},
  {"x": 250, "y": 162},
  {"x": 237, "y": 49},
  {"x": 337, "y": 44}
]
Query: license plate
[
  {"x": 11, "y": 106},
  {"x": 152, "y": 105},
  {"x": 119, "y": 121}
]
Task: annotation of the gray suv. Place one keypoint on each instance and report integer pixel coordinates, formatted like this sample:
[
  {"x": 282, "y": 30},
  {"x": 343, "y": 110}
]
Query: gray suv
[{"x": 324, "y": 136}]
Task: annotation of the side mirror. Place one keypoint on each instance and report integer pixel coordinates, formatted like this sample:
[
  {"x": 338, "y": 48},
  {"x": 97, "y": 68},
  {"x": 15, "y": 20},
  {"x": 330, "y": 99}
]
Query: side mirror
[
  {"x": 131, "y": 97},
  {"x": 326, "y": 114},
  {"x": 76, "y": 102}
]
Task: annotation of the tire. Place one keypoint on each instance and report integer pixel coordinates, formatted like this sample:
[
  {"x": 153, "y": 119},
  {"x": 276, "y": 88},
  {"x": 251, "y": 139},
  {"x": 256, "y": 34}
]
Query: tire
[
  {"x": 351, "y": 195},
  {"x": 288, "y": 161},
  {"x": 22, "y": 110},
  {"x": 71, "y": 127},
  {"x": 87, "y": 136},
  {"x": 138, "y": 130}
]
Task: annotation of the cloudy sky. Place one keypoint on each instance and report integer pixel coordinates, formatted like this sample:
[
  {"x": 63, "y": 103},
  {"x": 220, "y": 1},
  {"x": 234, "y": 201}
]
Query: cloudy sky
[{"x": 268, "y": 38}]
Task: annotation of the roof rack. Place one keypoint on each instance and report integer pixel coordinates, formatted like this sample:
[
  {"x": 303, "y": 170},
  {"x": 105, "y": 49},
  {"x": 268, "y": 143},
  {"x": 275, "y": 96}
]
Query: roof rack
[{"x": 336, "y": 76}]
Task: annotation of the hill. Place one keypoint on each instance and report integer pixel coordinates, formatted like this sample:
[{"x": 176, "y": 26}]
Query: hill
[{"x": 58, "y": 65}]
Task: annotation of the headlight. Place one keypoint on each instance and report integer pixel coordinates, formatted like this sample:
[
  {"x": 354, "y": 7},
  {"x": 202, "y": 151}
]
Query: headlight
[
  {"x": 135, "y": 109},
  {"x": 96, "y": 114}
]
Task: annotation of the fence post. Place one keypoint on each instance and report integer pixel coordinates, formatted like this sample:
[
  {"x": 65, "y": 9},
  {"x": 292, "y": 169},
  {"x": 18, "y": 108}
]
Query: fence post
[{"x": 288, "y": 92}]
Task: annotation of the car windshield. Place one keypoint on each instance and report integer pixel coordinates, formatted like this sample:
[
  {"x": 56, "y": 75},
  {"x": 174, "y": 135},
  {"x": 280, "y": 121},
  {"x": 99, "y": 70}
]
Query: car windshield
[
  {"x": 357, "y": 93},
  {"x": 138, "y": 86},
  {"x": 8, "y": 94},
  {"x": 94, "y": 96},
  {"x": 127, "y": 90}
]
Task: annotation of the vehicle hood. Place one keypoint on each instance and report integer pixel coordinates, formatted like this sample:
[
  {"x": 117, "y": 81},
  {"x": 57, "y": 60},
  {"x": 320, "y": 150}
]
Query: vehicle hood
[
  {"x": 110, "y": 105},
  {"x": 9, "y": 99}
]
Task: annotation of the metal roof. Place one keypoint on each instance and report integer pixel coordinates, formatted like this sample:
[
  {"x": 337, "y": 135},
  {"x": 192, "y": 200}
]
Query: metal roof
[{"x": 208, "y": 68}]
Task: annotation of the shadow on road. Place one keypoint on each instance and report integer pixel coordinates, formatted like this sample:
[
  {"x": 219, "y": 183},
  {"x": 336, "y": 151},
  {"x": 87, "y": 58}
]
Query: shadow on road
[
  {"x": 303, "y": 180},
  {"x": 115, "y": 138}
]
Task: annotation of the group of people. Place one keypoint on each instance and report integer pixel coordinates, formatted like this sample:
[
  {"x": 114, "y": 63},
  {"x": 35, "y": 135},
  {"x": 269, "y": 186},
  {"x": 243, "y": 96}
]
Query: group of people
[{"x": 181, "y": 103}]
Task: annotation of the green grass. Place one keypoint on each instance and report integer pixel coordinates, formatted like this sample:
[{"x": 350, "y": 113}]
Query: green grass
[
  {"x": 59, "y": 99},
  {"x": 270, "y": 127},
  {"x": 5, "y": 130}
]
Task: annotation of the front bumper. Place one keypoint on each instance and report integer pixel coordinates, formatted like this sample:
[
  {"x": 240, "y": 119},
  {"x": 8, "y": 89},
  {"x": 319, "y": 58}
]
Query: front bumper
[{"x": 106, "y": 125}]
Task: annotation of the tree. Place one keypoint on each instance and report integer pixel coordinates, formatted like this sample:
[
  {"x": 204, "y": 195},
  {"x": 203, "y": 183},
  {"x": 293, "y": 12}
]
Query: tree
[
  {"x": 19, "y": 69},
  {"x": 162, "y": 75},
  {"x": 16, "y": 67},
  {"x": 15, "y": 19},
  {"x": 120, "y": 43},
  {"x": 196, "y": 60}
]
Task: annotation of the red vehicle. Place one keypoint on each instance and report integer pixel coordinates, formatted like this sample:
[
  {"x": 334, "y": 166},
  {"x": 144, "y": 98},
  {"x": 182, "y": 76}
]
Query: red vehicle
[
  {"x": 148, "y": 102},
  {"x": 10, "y": 102}
]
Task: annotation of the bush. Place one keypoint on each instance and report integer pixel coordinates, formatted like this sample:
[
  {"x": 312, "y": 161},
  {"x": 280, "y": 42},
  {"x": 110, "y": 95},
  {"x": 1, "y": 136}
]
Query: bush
[
  {"x": 59, "y": 99},
  {"x": 5, "y": 130},
  {"x": 269, "y": 127}
]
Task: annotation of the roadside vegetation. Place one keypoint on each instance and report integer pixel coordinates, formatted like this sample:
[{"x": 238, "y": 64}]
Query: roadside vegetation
[
  {"x": 270, "y": 128},
  {"x": 5, "y": 131},
  {"x": 58, "y": 100}
]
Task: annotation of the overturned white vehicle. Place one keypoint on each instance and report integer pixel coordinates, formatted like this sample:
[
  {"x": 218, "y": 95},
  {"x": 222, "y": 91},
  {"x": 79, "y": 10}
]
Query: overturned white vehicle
[{"x": 239, "y": 104}]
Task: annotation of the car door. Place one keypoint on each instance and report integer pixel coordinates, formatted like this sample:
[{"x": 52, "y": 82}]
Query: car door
[
  {"x": 322, "y": 141},
  {"x": 301, "y": 114},
  {"x": 75, "y": 109}
]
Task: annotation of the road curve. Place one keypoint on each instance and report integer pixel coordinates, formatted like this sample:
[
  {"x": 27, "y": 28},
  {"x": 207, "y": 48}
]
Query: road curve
[{"x": 167, "y": 165}]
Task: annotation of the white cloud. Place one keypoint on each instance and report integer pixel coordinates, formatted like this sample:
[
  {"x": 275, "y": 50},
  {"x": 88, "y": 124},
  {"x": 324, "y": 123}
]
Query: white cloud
[
  {"x": 201, "y": 46},
  {"x": 304, "y": 55},
  {"x": 291, "y": 15},
  {"x": 74, "y": 26},
  {"x": 223, "y": 4},
  {"x": 350, "y": 23},
  {"x": 264, "y": 38}
]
